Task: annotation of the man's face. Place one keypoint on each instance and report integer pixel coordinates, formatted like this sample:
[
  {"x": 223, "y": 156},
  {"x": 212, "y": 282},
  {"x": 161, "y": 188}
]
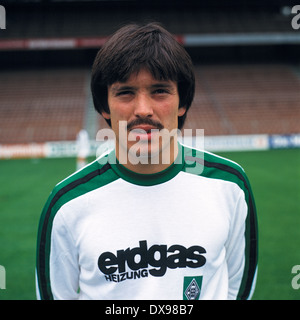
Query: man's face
[{"x": 145, "y": 104}]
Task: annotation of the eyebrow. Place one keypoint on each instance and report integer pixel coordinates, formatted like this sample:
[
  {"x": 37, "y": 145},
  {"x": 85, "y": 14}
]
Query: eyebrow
[
  {"x": 116, "y": 88},
  {"x": 161, "y": 85}
]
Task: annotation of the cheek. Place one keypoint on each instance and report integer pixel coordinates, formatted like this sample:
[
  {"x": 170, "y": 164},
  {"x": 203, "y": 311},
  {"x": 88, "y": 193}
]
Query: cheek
[
  {"x": 119, "y": 119},
  {"x": 169, "y": 111},
  {"x": 118, "y": 112}
]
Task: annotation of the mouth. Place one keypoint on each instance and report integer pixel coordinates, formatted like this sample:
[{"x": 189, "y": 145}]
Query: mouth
[
  {"x": 144, "y": 132},
  {"x": 143, "y": 129}
]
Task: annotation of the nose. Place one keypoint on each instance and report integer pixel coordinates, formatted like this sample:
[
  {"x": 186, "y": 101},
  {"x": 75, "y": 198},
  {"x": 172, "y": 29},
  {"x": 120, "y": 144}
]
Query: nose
[{"x": 143, "y": 106}]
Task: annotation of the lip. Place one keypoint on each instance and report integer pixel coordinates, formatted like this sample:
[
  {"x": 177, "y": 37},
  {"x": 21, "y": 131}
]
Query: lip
[
  {"x": 143, "y": 132},
  {"x": 142, "y": 128}
]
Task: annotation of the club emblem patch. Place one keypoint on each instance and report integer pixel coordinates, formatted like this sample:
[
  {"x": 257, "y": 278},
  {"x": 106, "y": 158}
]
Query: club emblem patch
[{"x": 192, "y": 288}]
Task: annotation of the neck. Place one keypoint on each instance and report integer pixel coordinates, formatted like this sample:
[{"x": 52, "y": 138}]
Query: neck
[{"x": 149, "y": 164}]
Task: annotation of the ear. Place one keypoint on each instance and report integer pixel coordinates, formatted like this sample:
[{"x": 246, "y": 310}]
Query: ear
[
  {"x": 181, "y": 111},
  {"x": 105, "y": 115}
]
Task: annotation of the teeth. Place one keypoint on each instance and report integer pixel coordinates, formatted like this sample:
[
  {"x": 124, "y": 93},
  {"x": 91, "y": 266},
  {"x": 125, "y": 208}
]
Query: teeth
[{"x": 141, "y": 131}]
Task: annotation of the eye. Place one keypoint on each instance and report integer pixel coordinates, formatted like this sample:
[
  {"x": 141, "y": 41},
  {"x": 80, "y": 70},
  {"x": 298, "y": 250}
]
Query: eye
[
  {"x": 160, "y": 91},
  {"x": 124, "y": 93}
]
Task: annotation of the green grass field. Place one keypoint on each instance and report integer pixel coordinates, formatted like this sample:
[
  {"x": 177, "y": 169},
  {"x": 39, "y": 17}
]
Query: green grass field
[{"x": 275, "y": 179}]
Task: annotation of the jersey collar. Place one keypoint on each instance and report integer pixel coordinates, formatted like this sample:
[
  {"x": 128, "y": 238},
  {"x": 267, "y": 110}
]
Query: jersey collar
[{"x": 147, "y": 179}]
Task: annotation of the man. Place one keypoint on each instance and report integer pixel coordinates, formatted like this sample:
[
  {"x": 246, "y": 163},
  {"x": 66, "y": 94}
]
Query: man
[{"x": 152, "y": 219}]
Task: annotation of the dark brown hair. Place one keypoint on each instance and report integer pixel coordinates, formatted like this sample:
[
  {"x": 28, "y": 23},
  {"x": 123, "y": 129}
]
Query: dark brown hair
[{"x": 147, "y": 46}]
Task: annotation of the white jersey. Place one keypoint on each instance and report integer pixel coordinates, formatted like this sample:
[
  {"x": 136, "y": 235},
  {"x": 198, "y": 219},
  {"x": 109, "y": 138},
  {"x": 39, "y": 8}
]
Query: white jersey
[{"x": 188, "y": 232}]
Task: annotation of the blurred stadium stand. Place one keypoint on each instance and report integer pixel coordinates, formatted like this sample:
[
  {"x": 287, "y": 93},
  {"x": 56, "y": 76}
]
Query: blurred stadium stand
[
  {"x": 42, "y": 105},
  {"x": 246, "y": 57}
]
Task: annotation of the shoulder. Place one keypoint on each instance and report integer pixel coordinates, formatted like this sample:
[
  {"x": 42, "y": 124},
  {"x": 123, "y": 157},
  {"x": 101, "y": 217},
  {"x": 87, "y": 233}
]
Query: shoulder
[
  {"x": 93, "y": 176},
  {"x": 83, "y": 176},
  {"x": 209, "y": 165}
]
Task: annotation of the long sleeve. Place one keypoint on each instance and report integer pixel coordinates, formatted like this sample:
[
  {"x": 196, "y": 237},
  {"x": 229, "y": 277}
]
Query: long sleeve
[
  {"x": 241, "y": 250},
  {"x": 64, "y": 269},
  {"x": 63, "y": 263}
]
